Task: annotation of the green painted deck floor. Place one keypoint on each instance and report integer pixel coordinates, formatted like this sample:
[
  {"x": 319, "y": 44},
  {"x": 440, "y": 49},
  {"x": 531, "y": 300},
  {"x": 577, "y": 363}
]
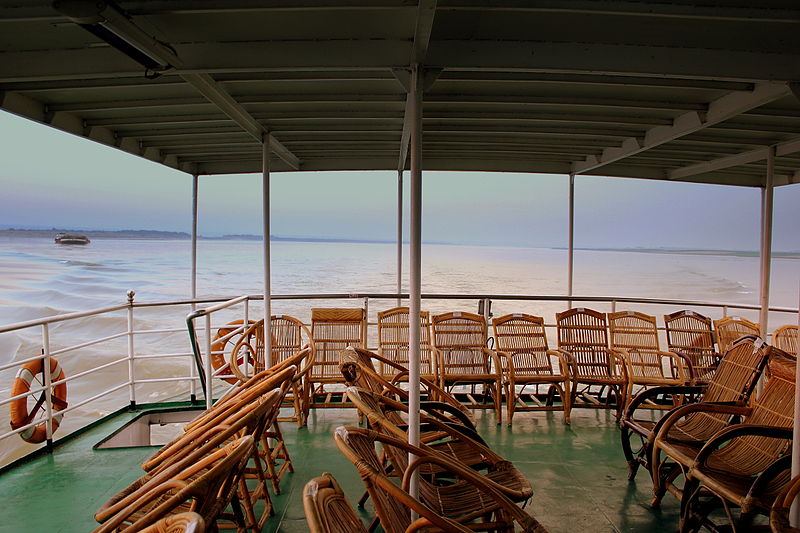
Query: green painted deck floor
[{"x": 577, "y": 472}]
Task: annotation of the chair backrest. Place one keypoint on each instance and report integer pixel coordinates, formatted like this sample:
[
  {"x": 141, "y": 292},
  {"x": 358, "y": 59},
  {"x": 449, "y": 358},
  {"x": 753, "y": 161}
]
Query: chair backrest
[
  {"x": 637, "y": 334},
  {"x": 460, "y": 337},
  {"x": 582, "y": 332},
  {"x": 691, "y": 334},
  {"x": 393, "y": 340},
  {"x": 731, "y": 328},
  {"x": 523, "y": 338},
  {"x": 333, "y": 330},
  {"x": 289, "y": 335},
  {"x": 189, "y": 522},
  {"x": 785, "y": 338},
  {"x": 327, "y": 509}
]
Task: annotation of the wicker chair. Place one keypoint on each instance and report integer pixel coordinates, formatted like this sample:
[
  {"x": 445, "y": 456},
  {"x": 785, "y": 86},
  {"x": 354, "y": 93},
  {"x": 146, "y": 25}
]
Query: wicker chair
[
  {"x": 327, "y": 509},
  {"x": 522, "y": 347},
  {"x": 189, "y": 522},
  {"x": 730, "y": 328},
  {"x": 635, "y": 335},
  {"x": 393, "y": 342},
  {"x": 690, "y": 334},
  {"x": 583, "y": 341},
  {"x": 785, "y": 338},
  {"x": 225, "y": 339},
  {"x": 779, "y": 514},
  {"x": 332, "y": 330},
  {"x": 462, "y": 358},
  {"x": 683, "y": 431},
  {"x": 734, "y": 382},
  {"x": 745, "y": 465},
  {"x": 450, "y": 507},
  {"x": 202, "y": 484}
]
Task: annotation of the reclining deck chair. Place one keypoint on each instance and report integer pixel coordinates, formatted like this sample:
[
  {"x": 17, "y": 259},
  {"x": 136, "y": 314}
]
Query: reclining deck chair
[
  {"x": 327, "y": 509},
  {"x": 730, "y": 328},
  {"x": 785, "y": 338},
  {"x": 393, "y": 342},
  {"x": 690, "y": 334},
  {"x": 332, "y": 330}
]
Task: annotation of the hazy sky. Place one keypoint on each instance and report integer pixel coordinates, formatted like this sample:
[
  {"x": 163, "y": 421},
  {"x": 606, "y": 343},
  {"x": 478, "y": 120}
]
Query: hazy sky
[{"x": 53, "y": 179}]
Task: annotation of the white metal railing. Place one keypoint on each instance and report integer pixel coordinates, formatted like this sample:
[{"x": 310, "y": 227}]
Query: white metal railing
[{"x": 199, "y": 366}]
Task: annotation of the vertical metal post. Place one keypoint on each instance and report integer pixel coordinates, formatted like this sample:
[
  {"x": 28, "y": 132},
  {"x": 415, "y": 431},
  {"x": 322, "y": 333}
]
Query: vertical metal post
[
  {"x": 399, "y": 236},
  {"x": 766, "y": 240},
  {"x": 47, "y": 363},
  {"x": 571, "y": 245},
  {"x": 415, "y": 264},
  {"x": 245, "y": 323},
  {"x": 207, "y": 363},
  {"x": 131, "y": 366},
  {"x": 794, "y": 512},
  {"x": 195, "y": 189},
  {"x": 266, "y": 210}
]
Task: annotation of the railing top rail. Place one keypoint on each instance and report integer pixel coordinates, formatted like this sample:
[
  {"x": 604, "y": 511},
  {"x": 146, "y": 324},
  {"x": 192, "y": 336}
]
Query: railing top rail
[{"x": 61, "y": 318}]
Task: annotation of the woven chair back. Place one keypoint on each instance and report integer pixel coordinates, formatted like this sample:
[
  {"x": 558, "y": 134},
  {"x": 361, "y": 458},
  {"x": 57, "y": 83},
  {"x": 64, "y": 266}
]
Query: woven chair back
[
  {"x": 523, "y": 338},
  {"x": 691, "y": 334},
  {"x": 327, "y": 509},
  {"x": 582, "y": 332},
  {"x": 333, "y": 330},
  {"x": 785, "y": 338},
  {"x": 393, "y": 340},
  {"x": 289, "y": 335},
  {"x": 461, "y": 337},
  {"x": 730, "y": 328},
  {"x": 637, "y": 334}
]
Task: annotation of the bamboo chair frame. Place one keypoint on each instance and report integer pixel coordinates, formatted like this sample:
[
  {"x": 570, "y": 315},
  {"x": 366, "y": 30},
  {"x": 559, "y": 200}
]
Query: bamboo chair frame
[
  {"x": 393, "y": 335},
  {"x": 691, "y": 334},
  {"x": 462, "y": 358},
  {"x": 745, "y": 465},
  {"x": 202, "y": 484},
  {"x": 189, "y": 522},
  {"x": 785, "y": 338},
  {"x": 332, "y": 330},
  {"x": 327, "y": 509},
  {"x": 779, "y": 514},
  {"x": 730, "y": 328},
  {"x": 222, "y": 345},
  {"x": 439, "y": 506},
  {"x": 733, "y": 383},
  {"x": 522, "y": 348},
  {"x": 583, "y": 341},
  {"x": 635, "y": 335},
  {"x": 679, "y": 435}
]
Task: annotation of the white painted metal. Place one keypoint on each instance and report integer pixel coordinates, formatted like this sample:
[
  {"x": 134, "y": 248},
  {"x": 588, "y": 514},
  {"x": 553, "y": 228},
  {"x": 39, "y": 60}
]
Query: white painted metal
[
  {"x": 48, "y": 389},
  {"x": 767, "y": 194},
  {"x": 265, "y": 216},
  {"x": 415, "y": 263},
  {"x": 207, "y": 363},
  {"x": 571, "y": 238},
  {"x": 399, "y": 236},
  {"x": 195, "y": 185},
  {"x": 794, "y": 513},
  {"x": 131, "y": 353},
  {"x": 781, "y": 149}
]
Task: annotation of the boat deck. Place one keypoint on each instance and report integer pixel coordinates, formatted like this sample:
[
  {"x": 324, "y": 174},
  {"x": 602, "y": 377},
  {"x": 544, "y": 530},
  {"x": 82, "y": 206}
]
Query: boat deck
[{"x": 578, "y": 474}]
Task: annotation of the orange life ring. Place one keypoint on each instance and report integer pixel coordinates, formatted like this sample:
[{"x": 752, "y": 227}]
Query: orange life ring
[
  {"x": 219, "y": 349},
  {"x": 19, "y": 408}
]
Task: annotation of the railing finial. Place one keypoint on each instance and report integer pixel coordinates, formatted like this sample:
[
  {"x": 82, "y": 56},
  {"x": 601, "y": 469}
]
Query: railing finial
[{"x": 131, "y": 294}]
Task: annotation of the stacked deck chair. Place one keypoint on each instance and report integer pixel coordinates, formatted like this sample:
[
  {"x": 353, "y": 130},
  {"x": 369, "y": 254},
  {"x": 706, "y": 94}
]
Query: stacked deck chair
[
  {"x": 730, "y": 328},
  {"x": 785, "y": 338},
  {"x": 732, "y": 384},
  {"x": 746, "y": 465},
  {"x": 779, "y": 514},
  {"x": 681, "y": 433},
  {"x": 635, "y": 335},
  {"x": 225, "y": 339},
  {"x": 470, "y": 499},
  {"x": 327, "y": 509},
  {"x": 393, "y": 343},
  {"x": 528, "y": 362},
  {"x": 189, "y": 522},
  {"x": 594, "y": 367},
  {"x": 332, "y": 330},
  {"x": 462, "y": 358},
  {"x": 690, "y": 334}
]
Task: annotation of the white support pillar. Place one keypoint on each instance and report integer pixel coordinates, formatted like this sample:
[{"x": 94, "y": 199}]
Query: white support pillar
[
  {"x": 399, "y": 236},
  {"x": 571, "y": 239},
  {"x": 766, "y": 240},
  {"x": 794, "y": 512},
  {"x": 194, "y": 237},
  {"x": 265, "y": 215},
  {"x": 415, "y": 262}
]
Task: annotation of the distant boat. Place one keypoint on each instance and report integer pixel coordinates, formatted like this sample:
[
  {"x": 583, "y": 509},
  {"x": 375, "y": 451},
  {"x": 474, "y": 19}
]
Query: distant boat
[{"x": 64, "y": 238}]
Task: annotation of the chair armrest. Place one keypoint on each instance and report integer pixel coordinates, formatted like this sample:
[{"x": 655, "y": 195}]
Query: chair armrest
[
  {"x": 672, "y": 417},
  {"x": 683, "y": 363},
  {"x": 654, "y": 392},
  {"x": 736, "y": 431},
  {"x": 493, "y": 357},
  {"x": 435, "y": 408}
]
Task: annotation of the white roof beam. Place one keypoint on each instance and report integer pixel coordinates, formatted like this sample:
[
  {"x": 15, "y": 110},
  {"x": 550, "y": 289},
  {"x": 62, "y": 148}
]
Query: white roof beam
[
  {"x": 730, "y": 105},
  {"x": 781, "y": 149}
]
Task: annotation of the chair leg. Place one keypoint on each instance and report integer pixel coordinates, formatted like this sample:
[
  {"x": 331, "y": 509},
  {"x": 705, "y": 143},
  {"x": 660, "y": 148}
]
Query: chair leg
[
  {"x": 633, "y": 462},
  {"x": 511, "y": 398},
  {"x": 498, "y": 400},
  {"x": 689, "y": 500}
]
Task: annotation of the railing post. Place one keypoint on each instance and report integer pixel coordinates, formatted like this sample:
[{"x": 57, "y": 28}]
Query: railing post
[
  {"x": 131, "y": 374},
  {"x": 725, "y": 312},
  {"x": 613, "y": 306},
  {"x": 48, "y": 388},
  {"x": 245, "y": 324},
  {"x": 207, "y": 362}
]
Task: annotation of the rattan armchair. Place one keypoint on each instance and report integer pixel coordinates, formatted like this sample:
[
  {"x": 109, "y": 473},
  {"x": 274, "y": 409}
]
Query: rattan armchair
[
  {"x": 779, "y": 514},
  {"x": 225, "y": 339},
  {"x": 690, "y": 334},
  {"x": 393, "y": 342},
  {"x": 785, "y": 338},
  {"x": 594, "y": 367},
  {"x": 528, "y": 362},
  {"x": 205, "y": 484},
  {"x": 462, "y": 358},
  {"x": 327, "y": 509},
  {"x": 470, "y": 499},
  {"x": 679, "y": 435},
  {"x": 189, "y": 522},
  {"x": 730, "y": 328},
  {"x": 733, "y": 383},
  {"x": 745, "y": 465},
  {"x": 332, "y": 330}
]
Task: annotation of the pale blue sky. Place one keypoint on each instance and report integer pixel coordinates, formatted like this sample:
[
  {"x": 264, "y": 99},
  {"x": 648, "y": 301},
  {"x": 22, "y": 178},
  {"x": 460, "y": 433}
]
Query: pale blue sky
[{"x": 53, "y": 179}]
